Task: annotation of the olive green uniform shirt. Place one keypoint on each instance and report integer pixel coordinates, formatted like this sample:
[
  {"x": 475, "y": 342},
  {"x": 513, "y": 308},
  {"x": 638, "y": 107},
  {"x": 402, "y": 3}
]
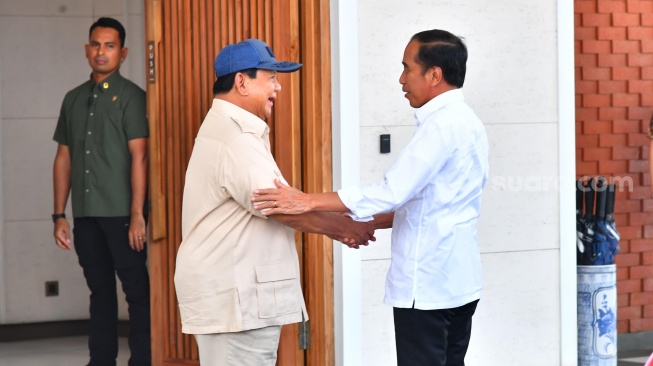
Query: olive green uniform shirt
[{"x": 96, "y": 122}]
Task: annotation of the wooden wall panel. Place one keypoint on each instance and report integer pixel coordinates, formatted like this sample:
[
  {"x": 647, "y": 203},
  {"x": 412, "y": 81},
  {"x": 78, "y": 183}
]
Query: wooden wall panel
[
  {"x": 187, "y": 35},
  {"x": 316, "y": 133}
]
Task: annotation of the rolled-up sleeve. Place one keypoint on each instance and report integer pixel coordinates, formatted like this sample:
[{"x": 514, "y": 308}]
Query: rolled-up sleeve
[
  {"x": 425, "y": 154},
  {"x": 351, "y": 197}
]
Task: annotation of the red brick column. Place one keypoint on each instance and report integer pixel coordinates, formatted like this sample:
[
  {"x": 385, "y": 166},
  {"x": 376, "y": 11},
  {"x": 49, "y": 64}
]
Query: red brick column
[{"x": 614, "y": 102}]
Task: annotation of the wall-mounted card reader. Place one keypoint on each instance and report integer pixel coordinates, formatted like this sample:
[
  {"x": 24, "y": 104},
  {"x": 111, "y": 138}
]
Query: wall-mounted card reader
[{"x": 385, "y": 144}]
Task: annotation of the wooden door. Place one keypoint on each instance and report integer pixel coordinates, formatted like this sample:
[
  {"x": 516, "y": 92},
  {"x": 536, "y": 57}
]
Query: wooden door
[{"x": 183, "y": 37}]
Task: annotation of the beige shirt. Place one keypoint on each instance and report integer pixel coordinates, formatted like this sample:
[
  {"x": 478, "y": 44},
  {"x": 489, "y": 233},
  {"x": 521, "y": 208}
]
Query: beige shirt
[{"x": 236, "y": 270}]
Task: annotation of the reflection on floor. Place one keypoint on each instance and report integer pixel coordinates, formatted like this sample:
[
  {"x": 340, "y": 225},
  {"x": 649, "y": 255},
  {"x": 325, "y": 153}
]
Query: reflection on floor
[
  {"x": 69, "y": 351},
  {"x": 73, "y": 351},
  {"x": 633, "y": 358}
]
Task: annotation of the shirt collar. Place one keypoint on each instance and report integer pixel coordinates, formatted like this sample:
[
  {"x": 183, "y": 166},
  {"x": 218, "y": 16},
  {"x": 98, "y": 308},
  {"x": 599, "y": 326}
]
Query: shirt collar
[
  {"x": 422, "y": 113},
  {"x": 111, "y": 82},
  {"x": 248, "y": 122}
]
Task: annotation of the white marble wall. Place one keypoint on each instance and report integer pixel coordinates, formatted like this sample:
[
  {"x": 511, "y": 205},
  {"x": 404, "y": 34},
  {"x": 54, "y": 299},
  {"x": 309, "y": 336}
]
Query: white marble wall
[
  {"x": 512, "y": 85},
  {"x": 41, "y": 58}
]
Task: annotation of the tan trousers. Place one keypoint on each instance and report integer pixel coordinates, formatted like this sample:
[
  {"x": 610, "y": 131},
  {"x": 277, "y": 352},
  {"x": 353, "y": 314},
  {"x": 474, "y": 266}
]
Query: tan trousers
[{"x": 256, "y": 347}]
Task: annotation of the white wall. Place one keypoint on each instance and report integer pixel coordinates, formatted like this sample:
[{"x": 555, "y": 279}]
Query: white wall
[
  {"x": 345, "y": 144},
  {"x": 41, "y": 58},
  {"x": 512, "y": 84}
]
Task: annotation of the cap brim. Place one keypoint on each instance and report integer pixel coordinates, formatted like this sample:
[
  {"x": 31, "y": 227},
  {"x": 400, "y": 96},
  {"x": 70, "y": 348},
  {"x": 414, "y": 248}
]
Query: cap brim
[{"x": 281, "y": 66}]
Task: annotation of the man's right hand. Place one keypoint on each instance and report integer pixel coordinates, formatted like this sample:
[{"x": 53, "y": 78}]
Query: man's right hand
[
  {"x": 359, "y": 233},
  {"x": 62, "y": 233}
]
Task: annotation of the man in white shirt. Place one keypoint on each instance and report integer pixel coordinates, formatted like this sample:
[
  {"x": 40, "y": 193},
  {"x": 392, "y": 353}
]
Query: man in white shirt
[{"x": 431, "y": 198}]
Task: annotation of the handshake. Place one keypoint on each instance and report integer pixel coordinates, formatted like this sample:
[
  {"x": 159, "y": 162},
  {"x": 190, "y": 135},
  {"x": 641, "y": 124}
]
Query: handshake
[
  {"x": 355, "y": 234},
  {"x": 321, "y": 213}
]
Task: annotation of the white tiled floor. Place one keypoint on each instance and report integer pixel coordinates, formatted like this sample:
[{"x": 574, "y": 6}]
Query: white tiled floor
[
  {"x": 70, "y": 351},
  {"x": 639, "y": 360},
  {"x": 633, "y": 358},
  {"x": 73, "y": 351}
]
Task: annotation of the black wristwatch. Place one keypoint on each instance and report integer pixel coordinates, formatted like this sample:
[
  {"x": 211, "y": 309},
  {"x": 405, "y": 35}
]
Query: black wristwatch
[{"x": 56, "y": 217}]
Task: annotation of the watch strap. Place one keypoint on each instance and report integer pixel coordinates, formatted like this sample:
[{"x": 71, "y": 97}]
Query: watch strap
[{"x": 58, "y": 216}]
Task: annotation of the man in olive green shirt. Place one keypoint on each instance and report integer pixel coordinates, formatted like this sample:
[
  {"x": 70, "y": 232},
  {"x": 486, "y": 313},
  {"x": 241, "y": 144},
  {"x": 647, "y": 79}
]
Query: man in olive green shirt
[{"x": 102, "y": 156}]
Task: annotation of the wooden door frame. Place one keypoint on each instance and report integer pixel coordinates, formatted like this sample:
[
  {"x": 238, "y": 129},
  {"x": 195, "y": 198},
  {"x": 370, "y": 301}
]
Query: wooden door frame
[
  {"x": 157, "y": 224},
  {"x": 316, "y": 176},
  {"x": 317, "y": 173}
]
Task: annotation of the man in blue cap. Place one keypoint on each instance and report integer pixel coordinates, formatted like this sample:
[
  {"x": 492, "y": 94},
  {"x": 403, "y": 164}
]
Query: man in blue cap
[{"x": 237, "y": 273}]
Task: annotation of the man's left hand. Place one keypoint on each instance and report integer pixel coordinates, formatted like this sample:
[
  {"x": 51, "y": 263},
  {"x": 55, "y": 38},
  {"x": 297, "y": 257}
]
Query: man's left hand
[
  {"x": 137, "y": 233},
  {"x": 283, "y": 200}
]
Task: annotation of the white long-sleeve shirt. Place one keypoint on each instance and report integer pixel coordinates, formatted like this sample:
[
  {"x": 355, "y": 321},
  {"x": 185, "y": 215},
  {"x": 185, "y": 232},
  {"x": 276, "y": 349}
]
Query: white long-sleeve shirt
[{"x": 434, "y": 189}]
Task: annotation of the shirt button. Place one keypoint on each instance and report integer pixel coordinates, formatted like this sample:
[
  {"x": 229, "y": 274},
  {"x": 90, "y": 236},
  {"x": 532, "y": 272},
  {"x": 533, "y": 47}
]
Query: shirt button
[
  {"x": 87, "y": 191},
  {"x": 87, "y": 172},
  {"x": 88, "y": 151},
  {"x": 89, "y": 132},
  {"x": 91, "y": 113},
  {"x": 94, "y": 95}
]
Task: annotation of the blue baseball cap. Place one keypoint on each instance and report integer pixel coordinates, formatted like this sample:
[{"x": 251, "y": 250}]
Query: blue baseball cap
[{"x": 249, "y": 54}]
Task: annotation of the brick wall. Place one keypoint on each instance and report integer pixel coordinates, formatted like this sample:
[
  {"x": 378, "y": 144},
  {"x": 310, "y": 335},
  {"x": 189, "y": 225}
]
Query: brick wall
[{"x": 614, "y": 102}]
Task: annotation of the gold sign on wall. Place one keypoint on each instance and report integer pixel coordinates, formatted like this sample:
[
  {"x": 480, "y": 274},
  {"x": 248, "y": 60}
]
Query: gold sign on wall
[{"x": 151, "y": 72}]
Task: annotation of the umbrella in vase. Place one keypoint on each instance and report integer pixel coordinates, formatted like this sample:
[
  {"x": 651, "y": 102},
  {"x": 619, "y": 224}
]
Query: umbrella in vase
[
  {"x": 580, "y": 224},
  {"x": 600, "y": 244},
  {"x": 586, "y": 233},
  {"x": 610, "y": 227}
]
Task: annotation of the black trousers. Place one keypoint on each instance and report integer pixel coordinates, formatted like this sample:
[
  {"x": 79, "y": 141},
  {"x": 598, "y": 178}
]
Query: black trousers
[
  {"x": 102, "y": 246},
  {"x": 433, "y": 337}
]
